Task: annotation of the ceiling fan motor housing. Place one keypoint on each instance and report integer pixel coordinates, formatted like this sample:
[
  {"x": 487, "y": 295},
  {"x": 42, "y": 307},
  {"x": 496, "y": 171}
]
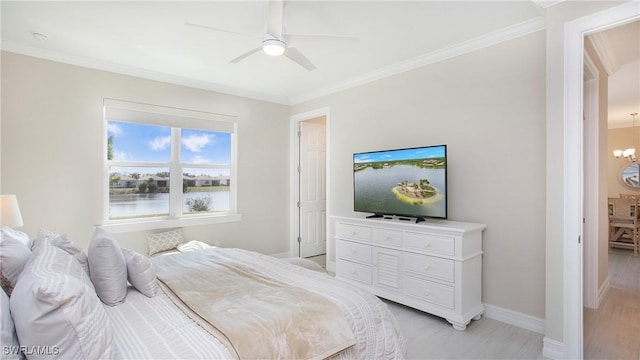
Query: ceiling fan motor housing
[{"x": 273, "y": 46}]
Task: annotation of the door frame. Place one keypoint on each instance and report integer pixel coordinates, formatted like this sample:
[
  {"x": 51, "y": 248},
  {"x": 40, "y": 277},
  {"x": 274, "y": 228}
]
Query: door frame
[
  {"x": 574, "y": 33},
  {"x": 294, "y": 156},
  {"x": 591, "y": 183}
]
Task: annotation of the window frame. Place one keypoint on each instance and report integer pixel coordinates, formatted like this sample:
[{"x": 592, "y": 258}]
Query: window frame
[{"x": 176, "y": 119}]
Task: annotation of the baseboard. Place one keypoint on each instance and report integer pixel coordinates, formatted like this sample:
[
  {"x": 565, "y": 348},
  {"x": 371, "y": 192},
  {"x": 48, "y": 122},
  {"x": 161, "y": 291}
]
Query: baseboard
[
  {"x": 514, "y": 318},
  {"x": 552, "y": 349},
  {"x": 603, "y": 290}
]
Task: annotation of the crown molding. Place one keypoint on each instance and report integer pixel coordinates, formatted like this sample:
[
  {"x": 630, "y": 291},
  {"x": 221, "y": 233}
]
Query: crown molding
[
  {"x": 505, "y": 34},
  {"x": 496, "y": 37},
  {"x": 590, "y": 68},
  {"x": 601, "y": 46},
  {"x": 138, "y": 72}
]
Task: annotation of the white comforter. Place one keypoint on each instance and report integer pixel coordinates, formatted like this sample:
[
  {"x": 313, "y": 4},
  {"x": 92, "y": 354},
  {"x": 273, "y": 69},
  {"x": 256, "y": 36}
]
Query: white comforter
[{"x": 156, "y": 328}]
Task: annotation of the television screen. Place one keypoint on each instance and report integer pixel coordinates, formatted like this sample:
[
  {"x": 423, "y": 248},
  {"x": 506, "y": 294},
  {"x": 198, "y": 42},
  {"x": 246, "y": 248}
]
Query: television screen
[{"x": 403, "y": 182}]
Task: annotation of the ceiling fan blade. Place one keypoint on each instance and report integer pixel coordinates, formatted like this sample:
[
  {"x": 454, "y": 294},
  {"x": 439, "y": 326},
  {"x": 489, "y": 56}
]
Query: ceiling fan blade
[
  {"x": 295, "y": 55},
  {"x": 274, "y": 18},
  {"x": 248, "y": 53},
  {"x": 222, "y": 30}
]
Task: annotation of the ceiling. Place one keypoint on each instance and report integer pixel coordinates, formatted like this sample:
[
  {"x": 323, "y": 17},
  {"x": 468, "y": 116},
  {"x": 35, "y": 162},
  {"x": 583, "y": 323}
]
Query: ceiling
[
  {"x": 150, "y": 39},
  {"x": 619, "y": 50}
]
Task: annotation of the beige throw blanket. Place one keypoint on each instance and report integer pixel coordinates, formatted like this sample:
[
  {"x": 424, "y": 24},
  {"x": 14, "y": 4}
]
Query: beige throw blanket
[{"x": 259, "y": 317}]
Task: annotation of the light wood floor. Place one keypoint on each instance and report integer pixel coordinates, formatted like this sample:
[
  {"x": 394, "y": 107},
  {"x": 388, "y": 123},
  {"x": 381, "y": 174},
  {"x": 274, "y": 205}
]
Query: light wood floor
[
  {"x": 320, "y": 260},
  {"x": 613, "y": 330},
  {"x": 610, "y": 332},
  {"x": 431, "y": 337}
]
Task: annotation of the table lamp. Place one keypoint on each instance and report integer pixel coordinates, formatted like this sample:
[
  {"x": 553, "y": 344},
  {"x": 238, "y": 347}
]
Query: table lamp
[{"x": 10, "y": 212}]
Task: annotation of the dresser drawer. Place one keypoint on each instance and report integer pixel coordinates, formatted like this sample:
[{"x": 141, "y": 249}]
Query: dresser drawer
[
  {"x": 356, "y": 272},
  {"x": 430, "y": 243},
  {"x": 353, "y": 251},
  {"x": 425, "y": 290},
  {"x": 387, "y": 237},
  {"x": 429, "y": 266},
  {"x": 354, "y": 232}
]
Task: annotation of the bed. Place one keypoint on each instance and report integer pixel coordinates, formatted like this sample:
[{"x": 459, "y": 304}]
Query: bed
[{"x": 61, "y": 309}]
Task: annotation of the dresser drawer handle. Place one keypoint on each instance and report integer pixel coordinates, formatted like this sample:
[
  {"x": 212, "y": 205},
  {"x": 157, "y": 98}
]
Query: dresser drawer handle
[
  {"x": 354, "y": 272},
  {"x": 427, "y": 267},
  {"x": 427, "y": 244},
  {"x": 427, "y": 293},
  {"x": 354, "y": 252},
  {"x": 354, "y": 233}
]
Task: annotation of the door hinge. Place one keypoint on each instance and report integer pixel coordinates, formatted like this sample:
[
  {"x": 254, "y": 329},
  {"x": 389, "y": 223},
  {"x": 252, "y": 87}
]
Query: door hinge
[
  {"x": 299, "y": 133},
  {"x": 298, "y": 204},
  {"x": 299, "y": 169},
  {"x": 299, "y": 239},
  {"x": 578, "y": 239}
]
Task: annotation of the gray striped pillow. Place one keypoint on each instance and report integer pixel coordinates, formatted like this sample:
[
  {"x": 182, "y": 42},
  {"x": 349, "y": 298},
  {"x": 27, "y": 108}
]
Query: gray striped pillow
[{"x": 55, "y": 308}]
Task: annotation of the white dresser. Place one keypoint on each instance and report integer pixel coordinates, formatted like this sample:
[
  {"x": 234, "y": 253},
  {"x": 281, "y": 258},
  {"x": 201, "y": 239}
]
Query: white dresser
[{"x": 434, "y": 266}]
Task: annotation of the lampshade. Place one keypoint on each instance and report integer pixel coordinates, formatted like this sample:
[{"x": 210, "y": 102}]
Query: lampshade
[
  {"x": 10, "y": 211},
  {"x": 629, "y": 152}
]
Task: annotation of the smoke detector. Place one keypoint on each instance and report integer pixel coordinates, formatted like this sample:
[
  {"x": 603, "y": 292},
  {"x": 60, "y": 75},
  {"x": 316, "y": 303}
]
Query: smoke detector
[{"x": 40, "y": 37}]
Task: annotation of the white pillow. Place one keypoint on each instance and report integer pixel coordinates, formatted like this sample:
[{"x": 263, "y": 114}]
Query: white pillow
[
  {"x": 8, "y": 233},
  {"x": 63, "y": 242},
  {"x": 164, "y": 241},
  {"x": 193, "y": 245},
  {"x": 14, "y": 254},
  {"x": 141, "y": 273},
  {"x": 9, "y": 339},
  {"x": 54, "y": 305},
  {"x": 107, "y": 268}
]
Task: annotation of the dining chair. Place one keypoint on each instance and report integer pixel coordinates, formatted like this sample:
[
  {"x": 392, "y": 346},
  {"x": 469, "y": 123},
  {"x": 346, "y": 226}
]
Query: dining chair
[{"x": 624, "y": 223}]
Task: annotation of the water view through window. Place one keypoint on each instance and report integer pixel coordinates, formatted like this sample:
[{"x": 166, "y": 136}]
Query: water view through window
[
  {"x": 147, "y": 205},
  {"x": 140, "y": 181}
]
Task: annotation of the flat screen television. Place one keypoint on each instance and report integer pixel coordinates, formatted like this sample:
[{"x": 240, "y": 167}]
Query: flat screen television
[{"x": 408, "y": 182}]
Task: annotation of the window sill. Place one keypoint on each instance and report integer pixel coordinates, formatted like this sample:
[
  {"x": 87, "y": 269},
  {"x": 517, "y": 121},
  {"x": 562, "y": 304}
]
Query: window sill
[{"x": 165, "y": 223}]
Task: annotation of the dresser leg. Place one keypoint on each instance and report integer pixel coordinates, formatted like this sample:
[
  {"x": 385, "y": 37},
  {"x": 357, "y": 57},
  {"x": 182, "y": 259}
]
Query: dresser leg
[{"x": 458, "y": 326}]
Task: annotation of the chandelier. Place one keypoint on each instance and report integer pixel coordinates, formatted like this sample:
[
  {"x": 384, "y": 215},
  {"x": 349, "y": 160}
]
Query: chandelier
[{"x": 630, "y": 153}]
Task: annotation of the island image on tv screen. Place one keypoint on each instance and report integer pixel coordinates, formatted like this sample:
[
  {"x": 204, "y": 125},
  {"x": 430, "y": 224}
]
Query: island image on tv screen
[{"x": 403, "y": 182}]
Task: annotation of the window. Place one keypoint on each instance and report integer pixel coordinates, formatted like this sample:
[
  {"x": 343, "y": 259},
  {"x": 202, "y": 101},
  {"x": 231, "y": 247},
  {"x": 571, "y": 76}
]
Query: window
[{"x": 167, "y": 164}]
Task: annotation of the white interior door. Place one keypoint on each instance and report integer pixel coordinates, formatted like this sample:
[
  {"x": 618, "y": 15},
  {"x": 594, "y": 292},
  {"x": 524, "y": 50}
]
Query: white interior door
[{"x": 313, "y": 196}]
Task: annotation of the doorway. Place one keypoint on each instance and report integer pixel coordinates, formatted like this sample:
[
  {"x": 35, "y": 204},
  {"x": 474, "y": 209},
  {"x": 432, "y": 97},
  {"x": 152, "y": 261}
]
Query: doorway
[
  {"x": 312, "y": 195},
  {"x": 309, "y": 148},
  {"x": 574, "y": 33},
  {"x": 606, "y": 271}
]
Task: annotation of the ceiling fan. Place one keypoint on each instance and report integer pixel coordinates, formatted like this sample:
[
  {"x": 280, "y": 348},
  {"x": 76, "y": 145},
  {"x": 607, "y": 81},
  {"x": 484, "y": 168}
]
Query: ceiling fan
[{"x": 275, "y": 41}]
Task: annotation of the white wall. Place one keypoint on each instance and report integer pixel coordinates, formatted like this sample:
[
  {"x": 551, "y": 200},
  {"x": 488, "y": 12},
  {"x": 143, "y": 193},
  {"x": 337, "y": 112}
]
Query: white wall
[
  {"x": 52, "y": 140},
  {"x": 488, "y": 107}
]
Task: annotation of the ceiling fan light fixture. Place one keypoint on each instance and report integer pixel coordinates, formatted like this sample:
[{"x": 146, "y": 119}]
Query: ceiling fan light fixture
[{"x": 273, "y": 47}]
